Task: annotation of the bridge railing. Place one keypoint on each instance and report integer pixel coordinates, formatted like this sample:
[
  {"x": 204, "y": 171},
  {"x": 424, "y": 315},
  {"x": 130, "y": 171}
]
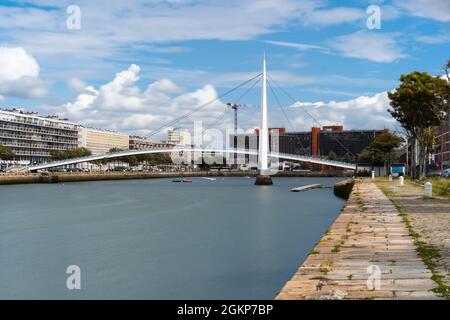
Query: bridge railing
[{"x": 125, "y": 153}]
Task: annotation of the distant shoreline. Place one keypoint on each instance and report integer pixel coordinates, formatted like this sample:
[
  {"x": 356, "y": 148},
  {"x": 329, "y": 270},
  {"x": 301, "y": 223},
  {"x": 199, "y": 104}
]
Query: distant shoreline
[{"x": 78, "y": 177}]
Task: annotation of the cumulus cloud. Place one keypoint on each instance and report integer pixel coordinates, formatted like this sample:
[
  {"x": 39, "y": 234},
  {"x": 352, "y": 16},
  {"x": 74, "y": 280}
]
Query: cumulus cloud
[
  {"x": 121, "y": 105},
  {"x": 19, "y": 74},
  {"x": 377, "y": 47},
  {"x": 364, "y": 112},
  {"x": 76, "y": 85}
]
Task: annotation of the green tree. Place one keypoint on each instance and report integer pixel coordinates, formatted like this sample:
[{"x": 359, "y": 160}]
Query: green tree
[
  {"x": 348, "y": 157},
  {"x": 380, "y": 151},
  {"x": 419, "y": 103},
  {"x": 332, "y": 156},
  {"x": 6, "y": 153},
  {"x": 69, "y": 154}
]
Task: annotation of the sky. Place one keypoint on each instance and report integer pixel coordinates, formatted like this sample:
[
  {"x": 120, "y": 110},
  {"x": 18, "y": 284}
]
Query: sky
[{"x": 135, "y": 65}]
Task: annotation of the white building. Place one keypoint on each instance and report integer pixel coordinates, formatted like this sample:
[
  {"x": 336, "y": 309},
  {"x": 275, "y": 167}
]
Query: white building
[
  {"x": 101, "y": 141},
  {"x": 179, "y": 137},
  {"x": 33, "y": 138}
]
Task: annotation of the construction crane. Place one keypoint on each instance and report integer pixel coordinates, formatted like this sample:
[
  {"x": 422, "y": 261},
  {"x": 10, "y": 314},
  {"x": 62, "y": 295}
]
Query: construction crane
[{"x": 236, "y": 107}]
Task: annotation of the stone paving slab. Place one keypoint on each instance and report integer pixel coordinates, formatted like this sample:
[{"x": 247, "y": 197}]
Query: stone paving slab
[
  {"x": 368, "y": 232},
  {"x": 429, "y": 217}
]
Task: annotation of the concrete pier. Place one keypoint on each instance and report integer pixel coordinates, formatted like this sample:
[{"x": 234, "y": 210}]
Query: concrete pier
[
  {"x": 307, "y": 187},
  {"x": 366, "y": 254},
  {"x": 263, "y": 180}
]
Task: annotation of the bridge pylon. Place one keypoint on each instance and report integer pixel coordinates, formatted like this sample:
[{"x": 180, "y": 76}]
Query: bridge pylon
[{"x": 263, "y": 151}]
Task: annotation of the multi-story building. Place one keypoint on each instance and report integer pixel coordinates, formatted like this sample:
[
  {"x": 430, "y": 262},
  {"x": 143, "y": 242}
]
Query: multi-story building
[
  {"x": 442, "y": 156},
  {"x": 136, "y": 142},
  {"x": 179, "y": 137},
  {"x": 317, "y": 142},
  {"x": 101, "y": 141},
  {"x": 32, "y": 137},
  {"x": 350, "y": 142}
]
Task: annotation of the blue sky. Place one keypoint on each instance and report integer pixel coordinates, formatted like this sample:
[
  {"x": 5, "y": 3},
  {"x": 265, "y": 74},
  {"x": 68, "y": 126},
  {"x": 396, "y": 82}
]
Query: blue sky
[{"x": 136, "y": 64}]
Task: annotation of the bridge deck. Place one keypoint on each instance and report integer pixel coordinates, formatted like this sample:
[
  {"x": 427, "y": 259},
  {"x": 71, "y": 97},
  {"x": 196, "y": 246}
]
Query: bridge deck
[{"x": 127, "y": 153}]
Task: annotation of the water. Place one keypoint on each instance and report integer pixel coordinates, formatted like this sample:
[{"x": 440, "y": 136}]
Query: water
[{"x": 155, "y": 239}]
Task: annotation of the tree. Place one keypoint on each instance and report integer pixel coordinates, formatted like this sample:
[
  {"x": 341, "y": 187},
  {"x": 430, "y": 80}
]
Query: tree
[
  {"x": 348, "y": 157},
  {"x": 419, "y": 103},
  {"x": 380, "y": 150},
  {"x": 332, "y": 156},
  {"x": 6, "y": 153},
  {"x": 69, "y": 154}
]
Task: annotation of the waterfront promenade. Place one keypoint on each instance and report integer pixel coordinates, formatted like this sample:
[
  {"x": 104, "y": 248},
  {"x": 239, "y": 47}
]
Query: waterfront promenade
[
  {"x": 429, "y": 219},
  {"x": 368, "y": 253}
]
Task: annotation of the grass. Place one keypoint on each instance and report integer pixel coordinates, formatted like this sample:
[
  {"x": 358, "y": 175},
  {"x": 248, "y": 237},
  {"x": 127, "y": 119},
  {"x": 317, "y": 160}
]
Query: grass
[
  {"x": 314, "y": 252},
  {"x": 441, "y": 186},
  {"x": 336, "y": 249},
  {"x": 429, "y": 254}
]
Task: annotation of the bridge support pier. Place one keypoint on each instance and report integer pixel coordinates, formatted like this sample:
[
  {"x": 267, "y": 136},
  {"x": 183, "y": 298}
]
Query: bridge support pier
[{"x": 263, "y": 180}]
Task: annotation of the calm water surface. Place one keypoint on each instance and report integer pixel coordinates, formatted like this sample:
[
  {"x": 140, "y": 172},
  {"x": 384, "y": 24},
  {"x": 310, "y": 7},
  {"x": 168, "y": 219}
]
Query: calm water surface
[{"x": 155, "y": 239}]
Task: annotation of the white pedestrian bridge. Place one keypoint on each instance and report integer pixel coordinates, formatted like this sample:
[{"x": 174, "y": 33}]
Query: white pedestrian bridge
[{"x": 182, "y": 150}]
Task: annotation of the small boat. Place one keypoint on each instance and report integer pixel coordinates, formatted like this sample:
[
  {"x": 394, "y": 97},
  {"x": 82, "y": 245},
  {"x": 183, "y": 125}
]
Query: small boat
[
  {"x": 177, "y": 180},
  {"x": 210, "y": 179},
  {"x": 187, "y": 180}
]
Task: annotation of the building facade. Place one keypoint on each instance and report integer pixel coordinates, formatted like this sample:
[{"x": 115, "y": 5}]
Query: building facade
[
  {"x": 136, "y": 142},
  {"x": 442, "y": 156},
  {"x": 317, "y": 142},
  {"x": 101, "y": 141},
  {"x": 341, "y": 143},
  {"x": 179, "y": 137},
  {"x": 32, "y": 137}
]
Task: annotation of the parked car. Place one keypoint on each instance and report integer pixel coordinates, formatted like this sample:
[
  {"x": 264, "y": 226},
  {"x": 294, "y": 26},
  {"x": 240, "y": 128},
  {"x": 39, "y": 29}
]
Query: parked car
[{"x": 446, "y": 173}]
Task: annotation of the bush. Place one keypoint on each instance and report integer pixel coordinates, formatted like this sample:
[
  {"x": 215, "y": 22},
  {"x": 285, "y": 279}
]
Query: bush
[{"x": 363, "y": 173}]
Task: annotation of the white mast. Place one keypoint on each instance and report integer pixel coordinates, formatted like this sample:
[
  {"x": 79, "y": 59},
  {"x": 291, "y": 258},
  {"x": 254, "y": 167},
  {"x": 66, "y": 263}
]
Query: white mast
[{"x": 263, "y": 130}]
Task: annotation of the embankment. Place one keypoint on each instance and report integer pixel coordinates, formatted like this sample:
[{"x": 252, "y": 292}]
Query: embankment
[
  {"x": 344, "y": 188},
  {"x": 78, "y": 177}
]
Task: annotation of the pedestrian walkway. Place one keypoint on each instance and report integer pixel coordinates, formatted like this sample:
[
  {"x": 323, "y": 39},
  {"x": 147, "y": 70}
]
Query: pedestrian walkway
[
  {"x": 430, "y": 218},
  {"x": 366, "y": 254}
]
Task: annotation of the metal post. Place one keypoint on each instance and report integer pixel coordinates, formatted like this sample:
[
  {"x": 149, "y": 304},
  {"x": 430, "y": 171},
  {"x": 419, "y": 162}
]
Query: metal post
[{"x": 428, "y": 189}]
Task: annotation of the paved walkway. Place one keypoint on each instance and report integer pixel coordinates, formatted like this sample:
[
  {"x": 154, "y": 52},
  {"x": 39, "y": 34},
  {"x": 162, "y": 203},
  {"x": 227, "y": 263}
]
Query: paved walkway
[
  {"x": 429, "y": 217},
  {"x": 367, "y": 239}
]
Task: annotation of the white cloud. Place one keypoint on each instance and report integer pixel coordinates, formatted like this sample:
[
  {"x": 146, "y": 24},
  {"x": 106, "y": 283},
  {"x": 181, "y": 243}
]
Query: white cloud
[
  {"x": 16, "y": 63},
  {"x": 364, "y": 112},
  {"x": 434, "y": 39},
  {"x": 150, "y": 25},
  {"x": 76, "y": 85},
  {"x": 370, "y": 45},
  {"x": 438, "y": 10},
  {"x": 164, "y": 85},
  {"x": 19, "y": 74},
  {"x": 332, "y": 16},
  {"x": 295, "y": 45},
  {"x": 121, "y": 105}
]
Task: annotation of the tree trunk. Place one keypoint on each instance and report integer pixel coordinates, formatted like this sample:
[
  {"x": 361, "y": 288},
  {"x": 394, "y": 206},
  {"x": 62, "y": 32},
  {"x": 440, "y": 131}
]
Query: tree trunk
[{"x": 412, "y": 167}]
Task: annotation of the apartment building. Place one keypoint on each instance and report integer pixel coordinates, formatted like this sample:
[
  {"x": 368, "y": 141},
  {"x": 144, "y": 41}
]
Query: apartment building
[
  {"x": 101, "y": 141},
  {"x": 32, "y": 137},
  {"x": 137, "y": 142}
]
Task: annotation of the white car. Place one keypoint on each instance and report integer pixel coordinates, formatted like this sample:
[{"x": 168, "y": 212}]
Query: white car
[{"x": 446, "y": 173}]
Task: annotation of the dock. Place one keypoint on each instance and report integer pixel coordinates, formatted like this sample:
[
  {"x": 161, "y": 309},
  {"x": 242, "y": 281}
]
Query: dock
[{"x": 307, "y": 187}]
